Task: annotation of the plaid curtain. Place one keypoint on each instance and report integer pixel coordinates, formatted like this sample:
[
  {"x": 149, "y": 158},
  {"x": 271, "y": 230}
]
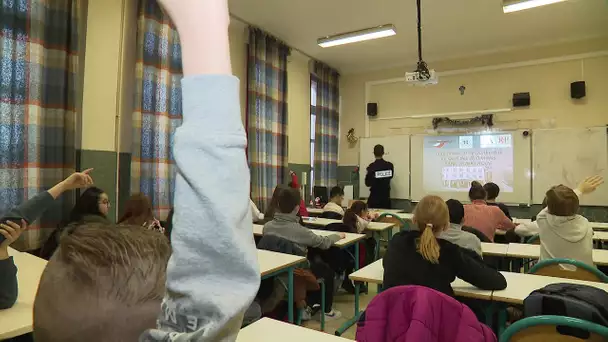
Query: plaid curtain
[
  {"x": 38, "y": 80},
  {"x": 266, "y": 114},
  {"x": 158, "y": 106},
  {"x": 327, "y": 124}
]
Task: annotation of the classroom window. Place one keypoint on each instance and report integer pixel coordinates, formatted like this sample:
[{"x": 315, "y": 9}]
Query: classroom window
[{"x": 313, "y": 121}]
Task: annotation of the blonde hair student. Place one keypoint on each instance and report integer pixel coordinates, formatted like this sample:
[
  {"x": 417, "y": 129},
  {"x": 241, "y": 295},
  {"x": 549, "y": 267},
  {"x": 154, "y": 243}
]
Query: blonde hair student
[{"x": 420, "y": 257}]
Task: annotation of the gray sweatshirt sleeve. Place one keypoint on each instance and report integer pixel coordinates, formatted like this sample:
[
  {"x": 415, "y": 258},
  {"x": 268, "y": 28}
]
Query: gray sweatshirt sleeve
[
  {"x": 309, "y": 238},
  {"x": 8, "y": 283},
  {"x": 32, "y": 209},
  {"x": 212, "y": 275}
]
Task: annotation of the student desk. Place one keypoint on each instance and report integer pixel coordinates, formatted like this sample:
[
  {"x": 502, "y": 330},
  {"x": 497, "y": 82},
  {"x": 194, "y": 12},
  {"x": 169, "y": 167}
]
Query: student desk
[
  {"x": 600, "y": 226},
  {"x": 18, "y": 320},
  {"x": 374, "y": 274},
  {"x": 386, "y": 211},
  {"x": 494, "y": 249},
  {"x": 315, "y": 211},
  {"x": 350, "y": 239},
  {"x": 269, "y": 330},
  {"x": 273, "y": 264},
  {"x": 529, "y": 251},
  {"x": 406, "y": 216},
  {"x": 322, "y": 222},
  {"x": 375, "y": 227}
]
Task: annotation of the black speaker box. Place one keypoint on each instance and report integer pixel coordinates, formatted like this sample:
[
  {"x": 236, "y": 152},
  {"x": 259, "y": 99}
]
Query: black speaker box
[
  {"x": 372, "y": 109},
  {"x": 577, "y": 90},
  {"x": 521, "y": 99}
]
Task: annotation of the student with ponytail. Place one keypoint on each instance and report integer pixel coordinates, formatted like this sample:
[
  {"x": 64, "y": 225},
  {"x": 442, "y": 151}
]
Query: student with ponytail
[{"x": 418, "y": 257}]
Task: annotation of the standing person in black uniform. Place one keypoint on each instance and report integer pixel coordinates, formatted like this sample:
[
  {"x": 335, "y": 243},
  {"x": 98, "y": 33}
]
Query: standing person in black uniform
[{"x": 378, "y": 179}]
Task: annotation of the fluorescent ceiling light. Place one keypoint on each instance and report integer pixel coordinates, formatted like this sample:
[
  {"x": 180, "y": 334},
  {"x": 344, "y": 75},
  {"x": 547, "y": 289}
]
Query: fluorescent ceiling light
[
  {"x": 520, "y": 5},
  {"x": 357, "y": 36}
]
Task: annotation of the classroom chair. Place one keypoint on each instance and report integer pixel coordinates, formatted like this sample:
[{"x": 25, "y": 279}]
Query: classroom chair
[
  {"x": 390, "y": 218},
  {"x": 551, "y": 268},
  {"x": 554, "y": 329},
  {"x": 534, "y": 239}
]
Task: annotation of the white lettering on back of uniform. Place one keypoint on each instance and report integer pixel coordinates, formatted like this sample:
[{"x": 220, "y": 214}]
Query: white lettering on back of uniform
[{"x": 384, "y": 174}]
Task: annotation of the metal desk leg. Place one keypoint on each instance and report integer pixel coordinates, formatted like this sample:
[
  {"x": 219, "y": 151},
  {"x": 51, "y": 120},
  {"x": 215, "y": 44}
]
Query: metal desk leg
[
  {"x": 355, "y": 318},
  {"x": 290, "y": 294},
  {"x": 502, "y": 319},
  {"x": 377, "y": 251}
]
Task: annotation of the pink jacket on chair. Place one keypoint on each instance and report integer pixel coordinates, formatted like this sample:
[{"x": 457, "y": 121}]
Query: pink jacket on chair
[{"x": 420, "y": 314}]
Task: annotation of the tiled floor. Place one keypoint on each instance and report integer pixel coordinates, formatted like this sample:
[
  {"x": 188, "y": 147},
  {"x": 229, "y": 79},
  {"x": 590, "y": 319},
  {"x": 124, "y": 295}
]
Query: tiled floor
[{"x": 344, "y": 303}]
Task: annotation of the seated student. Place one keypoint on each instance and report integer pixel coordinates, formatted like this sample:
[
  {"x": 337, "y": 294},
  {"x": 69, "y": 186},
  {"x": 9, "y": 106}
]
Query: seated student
[
  {"x": 104, "y": 283},
  {"x": 455, "y": 234},
  {"x": 483, "y": 217},
  {"x": 588, "y": 185},
  {"x": 418, "y": 257},
  {"x": 286, "y": 225},
  {"x": 357, "y": 217},
  {"x": 334, "y": 206},
  {"x": 17, "y": 218},
  {"x": 303, "y": 212},
  {"x": 91, "y": 207},
  {"x": 564, "y": 233},
  {"x": 492, "y": 191},
  {"x": 138, "y": 212},
  {"x": 256, "y": 215}
]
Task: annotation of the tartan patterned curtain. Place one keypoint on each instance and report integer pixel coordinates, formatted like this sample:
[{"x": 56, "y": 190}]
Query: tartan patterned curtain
[
  {"x": 266, "y": 114},
  {"x": 158, "y": 106},
  {"x": 327, "y": 124},
  {"x": 38, "y": 105}
]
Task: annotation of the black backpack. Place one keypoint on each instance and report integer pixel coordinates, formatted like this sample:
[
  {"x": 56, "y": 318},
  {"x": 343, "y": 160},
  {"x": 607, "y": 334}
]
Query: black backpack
[{"x": 563, "y": 299}]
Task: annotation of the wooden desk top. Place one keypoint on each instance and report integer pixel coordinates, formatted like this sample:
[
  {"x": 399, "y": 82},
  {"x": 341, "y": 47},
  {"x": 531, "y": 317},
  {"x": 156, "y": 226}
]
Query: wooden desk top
[
  {"x": 374, "y": 274},
  {"x": 350, "y": 239},
  {"x": 269, "y": 330},
  {"x": 522, "y": 250},
  {"x": 498, "y": 249},
  {"x": 599, "y": 225},
  {"x": 406, "y": 216},
  {"x": 271, "y": 262},
  {"x": 520, "y": 285},
  {"x": 386, "y": 211},
  {"x": 375, "y": 226},
  {"x": 18, "y": 320},
  {"x": 316, "y": 211},
  {"x": 600, "y": 235}
]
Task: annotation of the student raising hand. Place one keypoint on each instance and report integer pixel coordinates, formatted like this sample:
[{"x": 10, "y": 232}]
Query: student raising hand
[
  {"x": 590, "y": 184},
  {"x": 213, "y": 274}
]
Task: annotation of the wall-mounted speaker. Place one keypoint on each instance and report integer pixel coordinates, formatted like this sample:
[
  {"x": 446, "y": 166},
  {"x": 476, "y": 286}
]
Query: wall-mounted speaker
[
  {"x": 577, "y": 90},
  {"x": 372, "y": 109},
  {"x": 521, "y": 99}
]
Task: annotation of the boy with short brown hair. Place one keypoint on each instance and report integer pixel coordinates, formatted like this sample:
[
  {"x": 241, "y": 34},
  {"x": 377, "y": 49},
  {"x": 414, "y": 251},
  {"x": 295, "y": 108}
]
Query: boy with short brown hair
[
  {"x": 104, "y": 283},
  {"x": 563, "y": 233}
]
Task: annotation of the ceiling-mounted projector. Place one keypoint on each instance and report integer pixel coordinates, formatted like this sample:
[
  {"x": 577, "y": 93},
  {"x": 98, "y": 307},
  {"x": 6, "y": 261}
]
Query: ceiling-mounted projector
[{"x": 422, "y": 78}]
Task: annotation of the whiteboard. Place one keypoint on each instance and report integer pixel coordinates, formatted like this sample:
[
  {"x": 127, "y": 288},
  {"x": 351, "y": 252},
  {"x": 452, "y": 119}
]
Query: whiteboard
[
  {"x": 519, "y": 182},
  {"x": 567, "y": 156},
  {"x": 396, "y": 151}
]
